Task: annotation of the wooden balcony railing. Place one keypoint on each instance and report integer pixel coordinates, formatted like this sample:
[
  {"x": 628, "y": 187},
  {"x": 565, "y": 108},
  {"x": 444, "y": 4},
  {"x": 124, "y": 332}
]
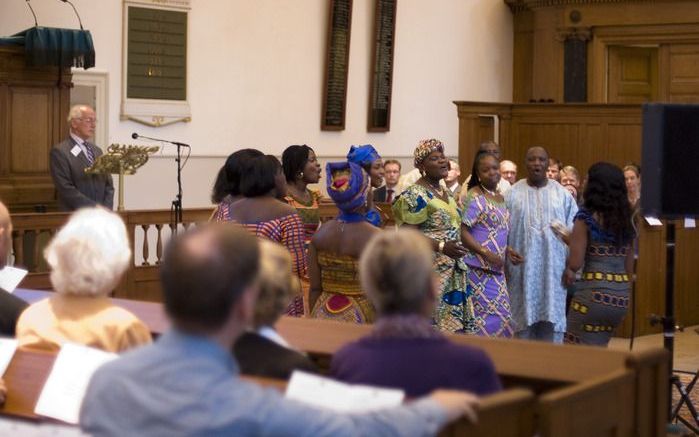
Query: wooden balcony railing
[{"x": 148, "y": 231}]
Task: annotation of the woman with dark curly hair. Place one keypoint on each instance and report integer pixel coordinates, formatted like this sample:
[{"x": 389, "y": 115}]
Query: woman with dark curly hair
[{"x": 602, "y": 240}]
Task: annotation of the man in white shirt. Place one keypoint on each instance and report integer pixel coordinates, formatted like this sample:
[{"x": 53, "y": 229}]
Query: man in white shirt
[{"x": 71, "y": 157}]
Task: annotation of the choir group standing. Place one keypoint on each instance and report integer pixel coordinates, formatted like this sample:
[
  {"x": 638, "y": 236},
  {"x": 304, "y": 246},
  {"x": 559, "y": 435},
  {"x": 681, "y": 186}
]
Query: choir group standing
[{"x": 505, "y": 254}]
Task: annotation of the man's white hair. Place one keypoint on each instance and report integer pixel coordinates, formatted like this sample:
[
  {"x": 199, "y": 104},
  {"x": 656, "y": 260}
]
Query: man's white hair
[
  {"x": 76, "y": 111},
  {"x": 89, "y": 254}
]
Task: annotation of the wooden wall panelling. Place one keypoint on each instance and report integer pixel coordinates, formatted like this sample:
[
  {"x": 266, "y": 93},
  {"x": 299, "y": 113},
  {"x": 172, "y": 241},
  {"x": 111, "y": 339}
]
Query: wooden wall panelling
[
  {"x": 683, "y": 73},
  {"x": 33, "y": 107},
  {"x": 523, "y": 53},
  {"x": 632, "y": 76},
  {"x": 31, "y": 130},
  {"x": 547, "y": 68},
  {"x": 623, "y": 141},
  {"x": 632, "y": 13},
  {"x": 538, "y": 51}
]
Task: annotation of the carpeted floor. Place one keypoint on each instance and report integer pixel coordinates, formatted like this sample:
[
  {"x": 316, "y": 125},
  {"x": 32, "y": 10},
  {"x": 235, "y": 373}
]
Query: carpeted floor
[{"x": 686, "y": 379}]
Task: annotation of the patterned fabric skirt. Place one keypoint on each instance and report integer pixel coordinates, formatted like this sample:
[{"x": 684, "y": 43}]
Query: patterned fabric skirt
[
  {"x": 491, "y": 303},
  {"x": 296, "y": 307},
  {"x": 454, "y": 311},
  {"x": 594, "y": 313},
  {"x": 343, "y": 308}
]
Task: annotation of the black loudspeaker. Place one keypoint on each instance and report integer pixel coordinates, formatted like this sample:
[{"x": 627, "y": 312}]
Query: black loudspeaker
[{"x": 670, "y": 166}]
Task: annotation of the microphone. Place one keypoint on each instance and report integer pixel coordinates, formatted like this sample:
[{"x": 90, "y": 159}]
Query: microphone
[
  {"x": 136, "y": 136},
  {"x": 76, "y": 12},
  {"x": 36, "y": 24}
]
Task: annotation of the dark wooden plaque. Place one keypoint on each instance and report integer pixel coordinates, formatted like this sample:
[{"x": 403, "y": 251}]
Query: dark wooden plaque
[
  {"x": 157, "y": 54},
  {"x": 575, "y": 70},
  {"x": 382, "y": 72},
  {"x": 337, "y": 65}
]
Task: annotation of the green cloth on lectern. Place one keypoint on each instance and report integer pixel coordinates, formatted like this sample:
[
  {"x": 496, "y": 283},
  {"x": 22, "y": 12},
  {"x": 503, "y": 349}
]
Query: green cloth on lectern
[{"x": 54, "y": 46}]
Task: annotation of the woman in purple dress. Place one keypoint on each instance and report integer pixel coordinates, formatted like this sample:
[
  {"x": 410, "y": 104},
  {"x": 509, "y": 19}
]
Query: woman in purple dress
[{"x": 484, "y": 227}]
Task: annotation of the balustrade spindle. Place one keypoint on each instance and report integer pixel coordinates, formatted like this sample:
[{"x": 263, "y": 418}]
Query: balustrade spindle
[
  {"x": 145, "y": 252},
  {"x": 19, "y": 247},
  {"x": 35, "y": 251},
  {"x": 159, "y": 244}
]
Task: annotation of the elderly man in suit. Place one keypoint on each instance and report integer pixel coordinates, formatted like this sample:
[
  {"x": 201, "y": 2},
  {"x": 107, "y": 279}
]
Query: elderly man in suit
[{"x": 70, "y": 158}]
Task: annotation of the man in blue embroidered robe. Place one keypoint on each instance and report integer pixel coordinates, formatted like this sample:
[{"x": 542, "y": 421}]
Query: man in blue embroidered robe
[{"x": 541, "y": 213}]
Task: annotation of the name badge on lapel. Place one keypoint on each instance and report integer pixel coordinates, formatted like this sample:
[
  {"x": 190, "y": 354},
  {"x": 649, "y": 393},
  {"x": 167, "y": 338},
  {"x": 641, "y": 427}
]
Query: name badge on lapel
[{"x": 76, "y": 150}]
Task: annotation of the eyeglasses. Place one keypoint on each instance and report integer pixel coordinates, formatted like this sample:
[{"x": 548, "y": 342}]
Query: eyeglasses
[{"x": 88, "y": 120}]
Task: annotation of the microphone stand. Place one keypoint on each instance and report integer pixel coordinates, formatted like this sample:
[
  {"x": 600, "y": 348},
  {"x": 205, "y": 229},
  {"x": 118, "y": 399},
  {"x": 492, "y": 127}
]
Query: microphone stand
[{"x": 176, "y": 208}]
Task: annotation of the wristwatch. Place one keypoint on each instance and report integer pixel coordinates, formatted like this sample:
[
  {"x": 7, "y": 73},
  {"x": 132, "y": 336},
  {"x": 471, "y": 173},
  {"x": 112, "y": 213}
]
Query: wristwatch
[{"x": 441, "y": 246}]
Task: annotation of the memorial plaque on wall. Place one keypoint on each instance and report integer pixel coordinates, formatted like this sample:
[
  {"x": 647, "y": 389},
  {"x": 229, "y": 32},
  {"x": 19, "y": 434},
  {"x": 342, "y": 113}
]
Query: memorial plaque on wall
[
  {"x": 154, "y": 90},
  {"x": 157, "y": 58},
  {"x": 337, "y": 65},
  {"x": 382, "y": 72}
]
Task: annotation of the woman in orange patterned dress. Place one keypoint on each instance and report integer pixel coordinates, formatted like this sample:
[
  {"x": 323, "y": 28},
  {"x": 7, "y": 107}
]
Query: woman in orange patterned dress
[{"x": 301, "y": 168}]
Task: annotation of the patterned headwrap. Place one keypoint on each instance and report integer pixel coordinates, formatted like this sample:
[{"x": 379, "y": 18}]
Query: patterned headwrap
[
  {"x": 363, "y": 155},
  {"x": 347, "y": 185},
  {"x": 424, "y": 148}
]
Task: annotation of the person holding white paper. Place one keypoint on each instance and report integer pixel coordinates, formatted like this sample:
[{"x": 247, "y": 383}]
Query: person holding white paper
[
  {"x": 88, "y": 258},
  {"x": 10, "y": 305},
  {"x": 188, "y": 383}
]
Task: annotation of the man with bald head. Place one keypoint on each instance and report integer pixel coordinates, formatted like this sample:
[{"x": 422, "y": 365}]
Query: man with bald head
[
  {"x": 540, "y": 211},
  {"x": 188, "y": 382},
  {"x": 508, "y": 171},
  {"x": 10, "y": 305},
  {"x": 70, "y": 158}
]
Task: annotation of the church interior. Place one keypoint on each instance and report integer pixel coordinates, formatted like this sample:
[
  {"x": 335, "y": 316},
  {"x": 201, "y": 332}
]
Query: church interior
[{"x": 183, "y": 84}]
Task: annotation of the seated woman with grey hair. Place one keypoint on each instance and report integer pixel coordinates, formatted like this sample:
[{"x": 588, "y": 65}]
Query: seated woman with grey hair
[
  {"x": 262, "y": 351},
  {"x": 404, "y": 350},
  {"x": 88, "y": 258}
]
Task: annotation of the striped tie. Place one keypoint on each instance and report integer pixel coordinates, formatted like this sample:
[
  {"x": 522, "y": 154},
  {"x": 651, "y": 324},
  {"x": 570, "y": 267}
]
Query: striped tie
[{"x": 89, "y": 153}]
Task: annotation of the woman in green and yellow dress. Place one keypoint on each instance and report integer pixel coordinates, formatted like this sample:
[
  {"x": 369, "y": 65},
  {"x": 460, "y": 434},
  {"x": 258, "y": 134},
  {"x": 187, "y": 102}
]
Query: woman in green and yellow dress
[{"x": 430, "y": 208}]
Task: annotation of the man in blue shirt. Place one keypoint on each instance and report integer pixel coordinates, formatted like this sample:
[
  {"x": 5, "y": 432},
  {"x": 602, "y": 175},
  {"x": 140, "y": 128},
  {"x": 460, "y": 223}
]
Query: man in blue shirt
[{"x": 187, "y": 382}]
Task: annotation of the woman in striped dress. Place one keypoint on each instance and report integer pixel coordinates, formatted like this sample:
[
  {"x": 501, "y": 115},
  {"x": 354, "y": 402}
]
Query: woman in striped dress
[{"x": 264, "y": 215}]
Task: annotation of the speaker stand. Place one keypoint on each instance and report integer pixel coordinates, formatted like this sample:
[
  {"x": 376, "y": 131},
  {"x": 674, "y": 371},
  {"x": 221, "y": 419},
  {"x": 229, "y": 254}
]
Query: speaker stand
[{"x": 669, "y": 328}]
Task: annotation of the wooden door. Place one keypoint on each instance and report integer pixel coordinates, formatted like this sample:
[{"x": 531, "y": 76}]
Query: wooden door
[{"x": 632, "y": 76}]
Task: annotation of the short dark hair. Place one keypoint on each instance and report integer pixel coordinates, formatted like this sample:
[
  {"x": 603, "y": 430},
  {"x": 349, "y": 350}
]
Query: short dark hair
[
  {"x": 259, "y": 175},
  {"x": 392, "y": 161},
  {"x": 294, "y": 159},
  {"x": 204, "y": 272},
  {"x": 556, "y": 162},
  {"x": 228, "y": 178}
]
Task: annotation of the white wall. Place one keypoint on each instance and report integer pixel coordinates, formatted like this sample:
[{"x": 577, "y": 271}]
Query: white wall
[{"x": 256, "y": 76}]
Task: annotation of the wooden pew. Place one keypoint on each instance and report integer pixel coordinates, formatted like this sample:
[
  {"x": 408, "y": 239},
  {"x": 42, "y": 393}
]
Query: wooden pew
[
  {"x": 506, "y": 414},
  {"x": 539, "y": 366},
  {"x": 565, "y": 372},
  {"x": 599, "y": 406}
]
